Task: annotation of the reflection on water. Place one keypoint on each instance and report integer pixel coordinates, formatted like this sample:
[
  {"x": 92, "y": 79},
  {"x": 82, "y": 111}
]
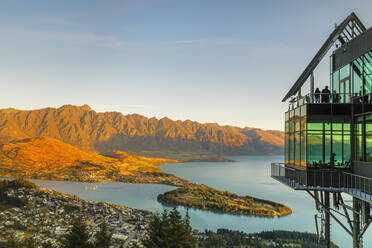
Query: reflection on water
[
  {"x": 249, "y": 176},
  {"x": 91, "y": 187}
]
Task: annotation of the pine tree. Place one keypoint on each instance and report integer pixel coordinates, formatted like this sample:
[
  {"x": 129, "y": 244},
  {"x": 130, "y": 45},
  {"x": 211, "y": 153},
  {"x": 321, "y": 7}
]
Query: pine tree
[
  {"x": 103, "y": 237},
  {"x": 158, "y": 231},
  {"x": 77, "y": 237},
  {"x": 170, "y": 231},
  {"x": 29, "y": 243},
  {"x": 13, "y": 243}
]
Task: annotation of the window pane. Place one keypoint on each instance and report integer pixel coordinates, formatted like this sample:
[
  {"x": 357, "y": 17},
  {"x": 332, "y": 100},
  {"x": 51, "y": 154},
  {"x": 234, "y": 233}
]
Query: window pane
[
  {"x": 337, "y": 148},
  {"x": 336, "y": 81},
  {"x": 357, "y": 79},
  {"x": 344, "y": 72},
  {"x": 315, "y": 126},
  {"x": 297, "y": 149},
  {"x": 347, "y": 149},
  {"x": 327, "y": 148},
  {"x": 358, "y": 142},
  {"x": 369, "y": 142},
  {"x": 303, "y": 149},
  {"x": 292, "y": 149},
  {"x": 286, "y": 154},
  {"x": 368, "y": 83},
  {"x": 314, "y": 148}
]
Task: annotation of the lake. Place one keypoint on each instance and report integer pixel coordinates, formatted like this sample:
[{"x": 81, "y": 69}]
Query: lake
[{"x": 250, "y": 175}]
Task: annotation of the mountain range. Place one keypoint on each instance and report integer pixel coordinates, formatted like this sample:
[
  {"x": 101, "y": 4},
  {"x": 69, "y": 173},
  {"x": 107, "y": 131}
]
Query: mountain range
[{"x": 89, "y": 130}]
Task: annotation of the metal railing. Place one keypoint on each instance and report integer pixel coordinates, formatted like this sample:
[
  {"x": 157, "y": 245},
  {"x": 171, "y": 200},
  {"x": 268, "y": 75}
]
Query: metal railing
[
  {"x": 323, "y": 178},
  {"x": 358, "y": 185},
  {"x": 326, "y": 98}
]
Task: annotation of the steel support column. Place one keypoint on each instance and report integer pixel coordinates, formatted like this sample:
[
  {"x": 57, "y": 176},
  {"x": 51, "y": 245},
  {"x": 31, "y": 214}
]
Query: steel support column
[
  {"x": 356, "y": 225},
  {"x": 327, "y": 230}
]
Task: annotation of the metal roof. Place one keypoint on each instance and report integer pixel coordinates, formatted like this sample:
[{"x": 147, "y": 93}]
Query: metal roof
[{"x": 344, "y": 33}]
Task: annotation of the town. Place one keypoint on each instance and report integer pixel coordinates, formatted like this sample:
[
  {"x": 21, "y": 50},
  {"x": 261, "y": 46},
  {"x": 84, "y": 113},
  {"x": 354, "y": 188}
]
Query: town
[{"x": 46, "y": 216}]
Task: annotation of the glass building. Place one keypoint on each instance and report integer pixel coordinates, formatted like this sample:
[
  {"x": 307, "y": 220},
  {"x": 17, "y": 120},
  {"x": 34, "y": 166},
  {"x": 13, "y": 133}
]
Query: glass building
[{"x": 328, "y": 133}]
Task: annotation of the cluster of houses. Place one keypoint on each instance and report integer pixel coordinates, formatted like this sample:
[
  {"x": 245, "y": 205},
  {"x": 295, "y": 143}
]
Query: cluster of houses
[{"x": 47, "y": 216}]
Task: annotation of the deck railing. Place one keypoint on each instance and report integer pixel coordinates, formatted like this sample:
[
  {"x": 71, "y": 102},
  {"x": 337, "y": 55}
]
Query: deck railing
[
  {"x": 358, "y": 185},
  {"x": 337, "y": 179},
  {"x": 326, "y": 98}
]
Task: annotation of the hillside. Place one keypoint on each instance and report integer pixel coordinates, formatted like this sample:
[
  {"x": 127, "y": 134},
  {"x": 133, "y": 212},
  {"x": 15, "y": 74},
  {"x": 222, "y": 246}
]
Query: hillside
[
  {"x": 83, "y": 127},
  {"x": 48, "y": 158}
]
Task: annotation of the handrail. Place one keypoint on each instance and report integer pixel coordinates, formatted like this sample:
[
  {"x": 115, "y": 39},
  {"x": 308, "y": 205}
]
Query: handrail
[
  {"x": 357, "y": 185},
  {"x": 327, "y": 98}
]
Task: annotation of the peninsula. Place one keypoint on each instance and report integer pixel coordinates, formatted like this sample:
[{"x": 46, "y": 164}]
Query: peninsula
[{"x": 73, "y": 154}]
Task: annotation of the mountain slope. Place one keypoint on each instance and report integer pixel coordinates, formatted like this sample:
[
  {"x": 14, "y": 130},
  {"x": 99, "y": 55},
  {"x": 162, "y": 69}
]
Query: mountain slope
[
  {"x": 89, "y": 130},
  {"x": 49, "y": 158}
]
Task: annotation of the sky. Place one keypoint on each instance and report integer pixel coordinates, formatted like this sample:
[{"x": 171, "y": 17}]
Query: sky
[{"x": 229, "y": 62}]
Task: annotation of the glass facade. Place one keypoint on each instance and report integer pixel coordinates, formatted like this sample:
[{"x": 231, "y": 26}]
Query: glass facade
[
  {"x": 363, "y": 138},
  {"x": 324, "y": 141},
  {"x": 354, "y": 79},
  {"x": 313, "y": 139}
]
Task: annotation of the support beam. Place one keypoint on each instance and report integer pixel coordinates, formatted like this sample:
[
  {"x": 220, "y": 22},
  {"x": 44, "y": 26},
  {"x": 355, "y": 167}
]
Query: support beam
[
  {"x": 346, "y": 212},
  {"x": 365, "y": 228},
  {"x": 327, "y": 220},
  {"x": 332, "y": 215},
  {"x": 312, "y": 86},
  {"x": 356, "y": 225}
]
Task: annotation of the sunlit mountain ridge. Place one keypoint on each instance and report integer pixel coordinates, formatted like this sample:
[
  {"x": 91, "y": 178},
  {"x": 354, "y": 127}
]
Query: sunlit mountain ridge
[{"x": 89, "y": 130}]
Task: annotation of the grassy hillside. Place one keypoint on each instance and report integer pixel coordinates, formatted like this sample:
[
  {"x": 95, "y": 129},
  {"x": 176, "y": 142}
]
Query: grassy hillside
[{"x": 49, "y": 158}]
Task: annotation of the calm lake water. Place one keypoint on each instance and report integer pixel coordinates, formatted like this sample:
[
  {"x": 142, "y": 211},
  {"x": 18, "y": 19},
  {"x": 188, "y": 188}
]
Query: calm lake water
[{"x": 250, "y": 175}]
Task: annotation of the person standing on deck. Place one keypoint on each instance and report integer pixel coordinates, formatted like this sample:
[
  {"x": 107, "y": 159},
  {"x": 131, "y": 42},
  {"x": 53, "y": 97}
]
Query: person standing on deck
[
  {"x": 317, "y": 95},
  {"x": 325, "y": 95}
]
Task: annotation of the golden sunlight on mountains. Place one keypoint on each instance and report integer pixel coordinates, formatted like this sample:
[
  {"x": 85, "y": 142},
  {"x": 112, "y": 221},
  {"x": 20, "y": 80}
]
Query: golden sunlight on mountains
[
  {"x": 82, "y": 127},
  {"x": 48, "y": 158}
]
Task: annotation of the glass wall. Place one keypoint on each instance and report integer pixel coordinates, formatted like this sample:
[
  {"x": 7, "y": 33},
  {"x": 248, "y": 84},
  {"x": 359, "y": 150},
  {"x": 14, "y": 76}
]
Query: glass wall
[
  {"x": 363, "y": 138},
  {"x": 295, "y": 137},
  {"x": 314, "y": 140},
  {"x": 354, "y": 79}
]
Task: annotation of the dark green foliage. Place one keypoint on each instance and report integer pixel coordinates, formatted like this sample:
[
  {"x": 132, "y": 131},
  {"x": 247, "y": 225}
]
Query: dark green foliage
[
  {"x": 103, "y": 237},
  {"x": 77, "y": 237},
  {"x": 227, "y": 238},
  {"x": 15, "y": 243},
  {"x": 17, "y": 183},
  {"x": 170, "y": 230},
  {"x": 9, "y": 202}
]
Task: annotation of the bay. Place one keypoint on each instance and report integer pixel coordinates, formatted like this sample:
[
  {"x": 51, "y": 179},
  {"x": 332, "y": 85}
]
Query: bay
[{"x": 250, "y": 175}]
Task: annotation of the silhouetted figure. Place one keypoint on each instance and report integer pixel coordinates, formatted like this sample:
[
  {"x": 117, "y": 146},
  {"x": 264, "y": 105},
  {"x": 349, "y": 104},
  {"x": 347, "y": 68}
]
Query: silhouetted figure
[
  {"x": 336, "y": 97},
  {"x": 332, "y": 160},
  {"x": 325, "y": 95},
  {"x": 317, "y": 95}
]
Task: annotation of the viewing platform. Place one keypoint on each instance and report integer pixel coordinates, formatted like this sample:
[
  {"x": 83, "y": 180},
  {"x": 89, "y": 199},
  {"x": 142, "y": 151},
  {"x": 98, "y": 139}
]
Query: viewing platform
[{"x": 323, "y": 180}]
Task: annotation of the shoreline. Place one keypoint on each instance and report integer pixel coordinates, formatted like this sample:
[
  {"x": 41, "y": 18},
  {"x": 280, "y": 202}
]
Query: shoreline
[{"x": 238, "y": 205}]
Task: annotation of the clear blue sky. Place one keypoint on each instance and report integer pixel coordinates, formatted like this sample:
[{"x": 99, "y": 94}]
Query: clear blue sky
[{"x": 229, "y": 62}]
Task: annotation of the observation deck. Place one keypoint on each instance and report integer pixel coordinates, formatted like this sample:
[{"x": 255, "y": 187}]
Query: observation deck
[{"x": 324, "y": 180}]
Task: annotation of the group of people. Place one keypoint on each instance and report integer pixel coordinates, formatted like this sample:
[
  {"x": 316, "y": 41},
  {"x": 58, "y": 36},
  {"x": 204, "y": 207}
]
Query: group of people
[{"x": 325, "y": 96}]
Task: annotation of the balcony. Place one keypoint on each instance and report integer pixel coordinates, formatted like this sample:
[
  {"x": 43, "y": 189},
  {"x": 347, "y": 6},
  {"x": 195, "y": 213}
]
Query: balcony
[
  {"x": 325, "y": 180},
  {"x": 331, "y": 98}
]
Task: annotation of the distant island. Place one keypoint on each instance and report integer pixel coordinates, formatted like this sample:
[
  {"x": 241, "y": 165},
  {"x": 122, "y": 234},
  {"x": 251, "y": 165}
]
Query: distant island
[{"x": 207, "y": 198}]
